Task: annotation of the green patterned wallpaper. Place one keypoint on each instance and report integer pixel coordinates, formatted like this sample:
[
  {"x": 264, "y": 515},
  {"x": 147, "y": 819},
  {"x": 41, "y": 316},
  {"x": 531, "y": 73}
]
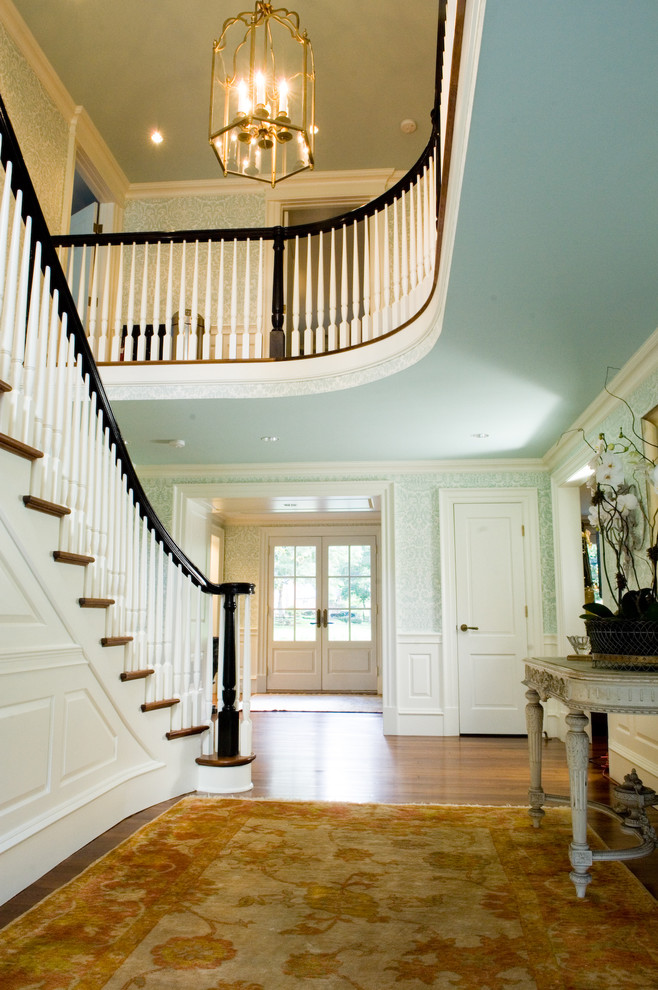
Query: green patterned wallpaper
[{"x": 41, "y": 130}]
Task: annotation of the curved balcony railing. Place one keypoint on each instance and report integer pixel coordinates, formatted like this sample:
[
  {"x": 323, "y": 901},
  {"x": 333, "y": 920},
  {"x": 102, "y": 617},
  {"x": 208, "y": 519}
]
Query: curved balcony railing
[{"x": 275, "y": 293}]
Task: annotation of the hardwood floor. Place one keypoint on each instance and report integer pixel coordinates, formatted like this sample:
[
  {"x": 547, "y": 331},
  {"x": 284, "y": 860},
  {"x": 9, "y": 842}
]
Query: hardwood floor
[{"x": 345, "y": 757}]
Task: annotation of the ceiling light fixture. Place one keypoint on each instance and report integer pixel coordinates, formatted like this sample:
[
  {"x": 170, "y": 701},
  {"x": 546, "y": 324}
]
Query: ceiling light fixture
[
  {"x": 156, "y": 137},
  {"x": 262, "y": 97},
  {"x": 269, "y": 439},
  {"x": 480, "y": 436}
]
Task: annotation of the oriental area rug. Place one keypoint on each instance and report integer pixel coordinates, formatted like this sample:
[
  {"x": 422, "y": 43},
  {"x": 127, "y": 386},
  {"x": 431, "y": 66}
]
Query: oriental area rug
[{"x": 236, "y": 894}]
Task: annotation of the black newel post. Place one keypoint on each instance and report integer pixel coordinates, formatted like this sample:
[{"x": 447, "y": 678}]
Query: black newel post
[
  {"x": 228, "y": 719},
  {"x": 277, "y": 335}
]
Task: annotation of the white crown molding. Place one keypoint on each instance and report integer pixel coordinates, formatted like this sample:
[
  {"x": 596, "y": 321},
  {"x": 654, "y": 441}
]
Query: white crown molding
[
  {"x": 567, "y": 453},
  {"x": 347, "y": 469},
  {"x": 311, "y": 185}
]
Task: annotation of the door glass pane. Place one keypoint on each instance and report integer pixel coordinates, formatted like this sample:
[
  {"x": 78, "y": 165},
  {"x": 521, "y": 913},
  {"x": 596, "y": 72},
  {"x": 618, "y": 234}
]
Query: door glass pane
[
  {"x": 350, "y": 593},
  {"x": 339, "y": 560},
  {"x": 284, "y": 560},
  {"x": 294, "y": 593}
]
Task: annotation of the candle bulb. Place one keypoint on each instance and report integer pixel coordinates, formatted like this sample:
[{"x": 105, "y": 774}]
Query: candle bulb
[
  {"x": 260, "y": 89},
  {"x": 283, "y": 99},
  {"x": 243, "y": 98}
]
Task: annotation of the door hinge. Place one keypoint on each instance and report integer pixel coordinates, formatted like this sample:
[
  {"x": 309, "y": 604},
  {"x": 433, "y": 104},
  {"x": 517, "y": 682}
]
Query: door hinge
[
  {"x": 526, "y": 611},
  {"x": 522, "y": 530}
]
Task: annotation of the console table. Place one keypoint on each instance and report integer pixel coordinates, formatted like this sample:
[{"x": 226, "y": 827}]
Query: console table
[{"x": 585, "y": 688}]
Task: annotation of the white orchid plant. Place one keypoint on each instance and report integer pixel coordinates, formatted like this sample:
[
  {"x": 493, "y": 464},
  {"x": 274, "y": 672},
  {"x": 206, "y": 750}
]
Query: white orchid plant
[{"x": 622, "y": 476}]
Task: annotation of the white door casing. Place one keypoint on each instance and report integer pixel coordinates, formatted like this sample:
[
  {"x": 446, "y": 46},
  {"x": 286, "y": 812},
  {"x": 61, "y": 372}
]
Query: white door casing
[{"x": 490, "y": 574}]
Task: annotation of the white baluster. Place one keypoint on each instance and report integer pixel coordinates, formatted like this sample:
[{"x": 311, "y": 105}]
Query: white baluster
[
  {"x": 167, "y": 342},
  {"x": 181, "y": 339},
  {"x": 143, "y": 306},
  {"x": 20, "y": 398},
  {"x": 219, "y": 320},
  {"x": 319, "y": 332},
  {"x": 4, "y": 229},
  {"x": 93, "y": 301},
  {"x": 117, "y": 332},
  {"x": 404, "y": 262},
  {"x": 397, "y": 321},
  {"x": 246, "y": 319},
  {"x": 155, "y": 323},
  {"x": 387, "y": 317},
  {"x": 37, "y": 385},
  {"x": 427, "y": 235},
  {"x": 294, "y": 340},
  {"x": 233, "y": 340},
  {"x": 245, "y": 725},
  {"x": 308, "y": 330},
  {"x": 355, "y": 326},
  {"x": 9, "y": 306},
  {"x": 332, "y": 332},
  {"x": 413, "y": 267},
  {"x": 105, "y": 307},
  {"x": 43, "y": 470},
  {"x": 366, "y": 322},
  {"x": 207, "y": 311},
  {"x": 419, "y": 235},
  {"x": 344, "y": 328},
  {"x": 82, "y": 288},
  {"x": 194, "y": 313},
  {"x": 258, "y": 339},
  {"x": 377, "y": 294},
  {"x": 128, "y": 349}
]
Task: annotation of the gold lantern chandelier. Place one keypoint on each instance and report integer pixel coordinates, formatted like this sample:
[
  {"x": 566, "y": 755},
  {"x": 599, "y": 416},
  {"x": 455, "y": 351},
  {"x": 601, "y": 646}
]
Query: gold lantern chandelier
[{"x": 262, "y": 98}]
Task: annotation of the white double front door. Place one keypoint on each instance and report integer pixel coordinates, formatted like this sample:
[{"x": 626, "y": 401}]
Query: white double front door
[{"x": 322, "y": 614}]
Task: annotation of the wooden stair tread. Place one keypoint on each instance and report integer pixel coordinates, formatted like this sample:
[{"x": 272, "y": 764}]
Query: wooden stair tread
[
  {"x": 225, "y": 761},
  {"x": 19, "y": 448},
  {"x": 152, "y": 706},
  {"x": 41, "y": 505},
  {"x": 95, "y": 602},
  {"x": 4, "y": 386},
  {"x": 116, "y": 640},
  {"x": 65, "y": 557},
  {"x": 194, "y": 730},
  {"x": 136, "y": 675}
]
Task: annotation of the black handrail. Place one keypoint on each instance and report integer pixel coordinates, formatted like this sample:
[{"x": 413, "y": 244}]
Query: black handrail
[{"x": 20, "y": 180}]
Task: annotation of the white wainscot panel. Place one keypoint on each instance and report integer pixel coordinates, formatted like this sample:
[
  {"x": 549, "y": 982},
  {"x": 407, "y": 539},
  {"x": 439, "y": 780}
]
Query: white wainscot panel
[
  {"x": 419, "y": 676},
  {"x": 89, "y": 741},
  {"x": 26, "y": 747},
  {"x": 27, "y": 618},
  {"x": 633, "y": 744}
]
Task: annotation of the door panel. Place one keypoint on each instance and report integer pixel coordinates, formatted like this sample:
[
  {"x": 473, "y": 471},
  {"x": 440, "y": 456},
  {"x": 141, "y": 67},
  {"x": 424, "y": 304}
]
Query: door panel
[
  {"x": 322, "y": 591},
  {"x": 490, "y": 590}
]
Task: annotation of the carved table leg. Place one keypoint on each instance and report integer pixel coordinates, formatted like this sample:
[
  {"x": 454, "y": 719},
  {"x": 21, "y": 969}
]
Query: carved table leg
[
  {"x": 580, "y": 853},
  {"x": 534, "y": 716}
]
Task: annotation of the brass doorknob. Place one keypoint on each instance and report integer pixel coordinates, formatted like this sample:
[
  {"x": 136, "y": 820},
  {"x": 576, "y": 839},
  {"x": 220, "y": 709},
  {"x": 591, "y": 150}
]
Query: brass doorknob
[{"x": 464, "y": 627}]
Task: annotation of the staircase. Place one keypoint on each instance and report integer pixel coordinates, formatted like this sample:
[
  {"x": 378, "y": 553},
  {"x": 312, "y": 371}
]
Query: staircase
[{"x": 106, "y": 659}]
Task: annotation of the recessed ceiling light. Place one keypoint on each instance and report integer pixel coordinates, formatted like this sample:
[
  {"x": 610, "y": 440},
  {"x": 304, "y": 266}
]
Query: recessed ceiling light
[
  {"x": 269, "y": 439},
  {"x": 408, "y": 126},
  {"x": 176, "y": 443},
  {"x": 156, "y": 137},
  {"x": 480, "y": 436}
]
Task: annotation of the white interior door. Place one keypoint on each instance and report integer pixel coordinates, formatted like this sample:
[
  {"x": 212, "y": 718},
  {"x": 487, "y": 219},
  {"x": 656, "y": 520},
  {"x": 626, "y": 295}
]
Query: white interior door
[
  {"x": 322, "y": 614},
  {"x": 491, "y": 617}
]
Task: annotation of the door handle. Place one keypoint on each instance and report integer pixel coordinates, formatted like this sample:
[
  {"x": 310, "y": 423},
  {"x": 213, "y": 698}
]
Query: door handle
[
  {"x": 318, "y": 620},
  {"x": 464, "y": 627},
  {"x": 324, "y": 618}
]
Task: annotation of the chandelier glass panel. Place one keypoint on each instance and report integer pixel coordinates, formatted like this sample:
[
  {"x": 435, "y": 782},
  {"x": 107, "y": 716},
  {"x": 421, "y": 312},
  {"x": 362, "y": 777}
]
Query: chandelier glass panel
[{"x": 262, "y": 100}]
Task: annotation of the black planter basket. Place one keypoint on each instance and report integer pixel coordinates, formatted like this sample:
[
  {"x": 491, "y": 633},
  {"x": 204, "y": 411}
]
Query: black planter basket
[{"x": 623, "y": 643}]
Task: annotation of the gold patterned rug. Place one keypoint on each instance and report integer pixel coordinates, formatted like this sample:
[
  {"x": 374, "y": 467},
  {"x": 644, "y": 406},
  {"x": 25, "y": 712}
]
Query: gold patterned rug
[{"x": 221, "y": 894}]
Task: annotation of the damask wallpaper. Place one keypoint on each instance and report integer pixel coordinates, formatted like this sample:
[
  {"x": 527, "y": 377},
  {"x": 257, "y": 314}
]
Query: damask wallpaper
[
  {"x": 41, "y": 130},
  {"x": 417, "y": 536},
  {"x": 196, "y": 212}
]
